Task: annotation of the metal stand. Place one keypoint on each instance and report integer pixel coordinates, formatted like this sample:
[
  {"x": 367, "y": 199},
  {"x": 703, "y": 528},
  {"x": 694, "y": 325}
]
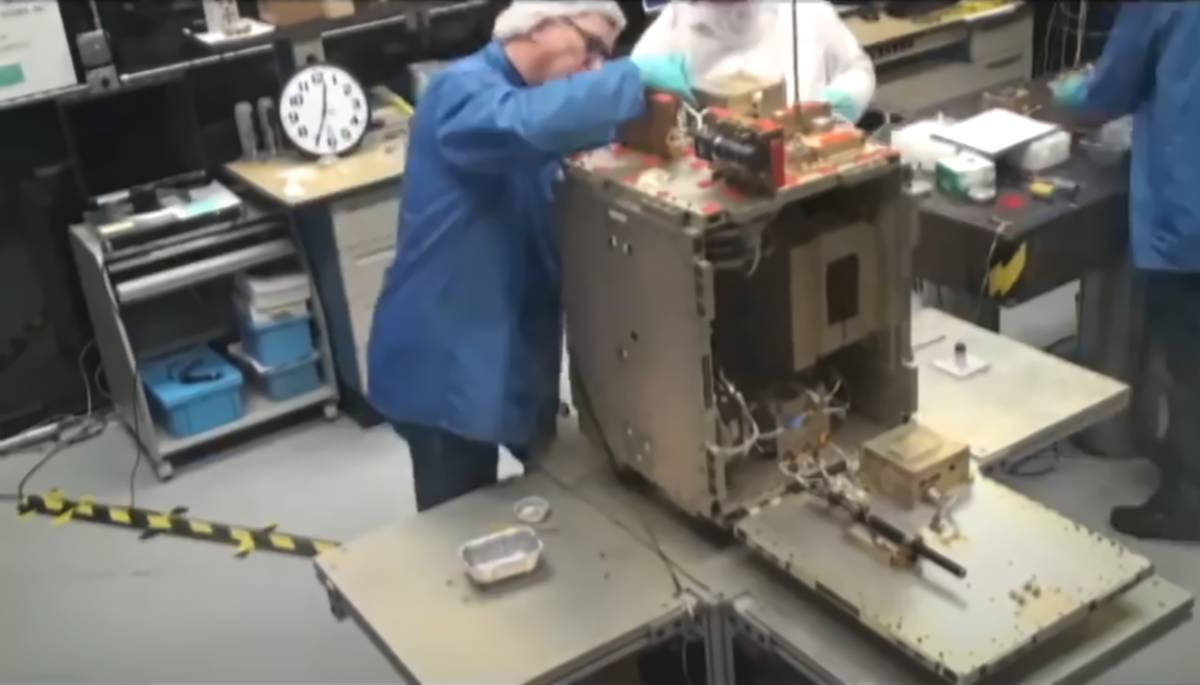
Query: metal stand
[{"x": 718, "y": 644}]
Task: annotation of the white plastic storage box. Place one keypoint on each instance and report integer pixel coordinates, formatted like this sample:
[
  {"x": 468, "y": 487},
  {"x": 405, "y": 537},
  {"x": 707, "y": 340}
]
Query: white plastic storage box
[
  {"x": 266, "y": 317},
  {"x": 269, "y": 292}
]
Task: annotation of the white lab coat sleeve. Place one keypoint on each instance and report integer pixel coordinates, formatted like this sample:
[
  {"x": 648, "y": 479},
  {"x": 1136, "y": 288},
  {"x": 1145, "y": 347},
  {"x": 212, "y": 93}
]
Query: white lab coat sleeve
[
  {"x": 662, "y": 37},
  {"x": 850, "y": 69}
]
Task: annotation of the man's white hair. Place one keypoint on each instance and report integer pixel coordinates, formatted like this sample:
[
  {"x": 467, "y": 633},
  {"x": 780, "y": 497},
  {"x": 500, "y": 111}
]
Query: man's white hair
[{"x": 522, "y": 16}]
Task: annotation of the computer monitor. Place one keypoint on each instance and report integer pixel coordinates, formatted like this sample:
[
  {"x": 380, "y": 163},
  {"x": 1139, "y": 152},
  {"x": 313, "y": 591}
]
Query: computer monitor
[
  {"x": 654, "y": 6},
  {"x": 132, "y": 136}
]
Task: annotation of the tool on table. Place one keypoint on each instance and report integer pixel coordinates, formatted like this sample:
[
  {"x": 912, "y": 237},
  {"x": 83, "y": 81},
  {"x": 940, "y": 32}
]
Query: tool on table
[{"x": 1050, "y": 187}]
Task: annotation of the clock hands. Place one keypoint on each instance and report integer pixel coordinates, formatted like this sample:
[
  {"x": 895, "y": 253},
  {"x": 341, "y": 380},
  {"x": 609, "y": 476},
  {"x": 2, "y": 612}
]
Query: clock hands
[{"x": 324, "y": 110}]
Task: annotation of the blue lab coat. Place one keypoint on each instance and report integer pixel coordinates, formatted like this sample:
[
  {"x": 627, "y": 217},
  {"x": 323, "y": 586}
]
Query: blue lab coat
[
  {"x": 1151, "y": 68},
  {"x": 467, "y": 331}
]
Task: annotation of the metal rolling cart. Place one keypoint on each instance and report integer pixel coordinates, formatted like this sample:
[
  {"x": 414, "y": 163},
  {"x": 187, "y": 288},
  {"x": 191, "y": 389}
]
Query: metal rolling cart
[{"x": 153, "y": 294}]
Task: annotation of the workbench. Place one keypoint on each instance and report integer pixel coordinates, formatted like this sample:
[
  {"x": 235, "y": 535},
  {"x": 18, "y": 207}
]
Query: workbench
[
  {"x": 346, "y": 211},
  {"x": 1082, "y": 239},
  {"x": 923, "y": 59},
  {"x": 615, "y": 551}
]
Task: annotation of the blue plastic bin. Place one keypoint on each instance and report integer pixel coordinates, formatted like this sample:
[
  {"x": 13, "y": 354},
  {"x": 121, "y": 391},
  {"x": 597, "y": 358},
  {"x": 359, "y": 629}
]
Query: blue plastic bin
[
  {"x": 187, "y": 408},
  {"x": 290, "y": 380},
  {"x": 276, "y": 344}
]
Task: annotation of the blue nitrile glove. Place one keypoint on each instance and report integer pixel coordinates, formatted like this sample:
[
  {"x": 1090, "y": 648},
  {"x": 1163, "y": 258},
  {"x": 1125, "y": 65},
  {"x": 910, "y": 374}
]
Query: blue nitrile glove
[
  {"x": 842, "y": 103},
  {"x": 669, "y": 73},
  {"x": 1070, "y": 90}
]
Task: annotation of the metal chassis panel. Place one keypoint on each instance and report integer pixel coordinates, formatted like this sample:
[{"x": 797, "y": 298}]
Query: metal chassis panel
[
  {"x": 1079, "y": 653},
  {"x": 1007, "y": 540}
]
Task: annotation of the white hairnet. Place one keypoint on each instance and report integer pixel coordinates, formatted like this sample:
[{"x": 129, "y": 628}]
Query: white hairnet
[{"x": 523, "y": 15}]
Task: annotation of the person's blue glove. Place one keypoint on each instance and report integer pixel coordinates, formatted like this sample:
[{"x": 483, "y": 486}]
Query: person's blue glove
[
  {"x": 842, "y": 103},
  {"x": 1070, "y": 90},
  {"x": 668, "y": 73}
]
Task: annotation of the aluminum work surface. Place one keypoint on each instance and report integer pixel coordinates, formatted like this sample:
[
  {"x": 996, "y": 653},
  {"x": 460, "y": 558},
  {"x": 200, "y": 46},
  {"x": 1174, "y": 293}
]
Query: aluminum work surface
[
  {"x": 1051, "y": 397},
  {"x": 596, "y": 591},
  {"x": 85, "y": 603}
]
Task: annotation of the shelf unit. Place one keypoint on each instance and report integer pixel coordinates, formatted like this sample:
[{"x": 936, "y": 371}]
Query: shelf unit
[{"x": 140, "y": 301}]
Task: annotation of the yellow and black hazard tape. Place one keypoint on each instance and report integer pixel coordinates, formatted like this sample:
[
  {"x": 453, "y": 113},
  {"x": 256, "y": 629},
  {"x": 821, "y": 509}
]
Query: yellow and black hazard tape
[{"x": 175, "y": 522}]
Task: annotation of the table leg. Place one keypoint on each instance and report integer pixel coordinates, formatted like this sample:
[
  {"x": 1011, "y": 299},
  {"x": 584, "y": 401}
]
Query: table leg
[
  {"x": 964, "y": 305},
  {"x": 718, "y": 644}
]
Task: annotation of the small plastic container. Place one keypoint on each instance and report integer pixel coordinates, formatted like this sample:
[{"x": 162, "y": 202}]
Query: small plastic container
[
  {"x": 279, "y": 343},
  {"x": 193, "y": 391},
  {"x": 266, "y": 317},
  {"x": 275, "y": 290},
  {"x": 282, "y": 382},
  {"x": 511, "y": 552}
]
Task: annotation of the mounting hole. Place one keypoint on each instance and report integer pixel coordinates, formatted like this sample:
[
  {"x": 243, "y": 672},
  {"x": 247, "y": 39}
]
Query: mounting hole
[
  {"x": 627, "y": 248},
  {"x": 612, "y": 241},
  {"x": 633, "y": 335}
]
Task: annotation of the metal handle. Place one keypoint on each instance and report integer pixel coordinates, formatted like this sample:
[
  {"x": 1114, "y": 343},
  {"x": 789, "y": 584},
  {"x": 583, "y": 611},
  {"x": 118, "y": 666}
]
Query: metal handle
[{"x": 165, "y": 281}]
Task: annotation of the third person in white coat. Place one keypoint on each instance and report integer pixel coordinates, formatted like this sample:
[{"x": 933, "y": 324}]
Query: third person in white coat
[{"x": 757, "y": 37}]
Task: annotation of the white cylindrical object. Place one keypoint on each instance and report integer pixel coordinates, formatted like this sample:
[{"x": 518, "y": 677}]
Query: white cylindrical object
[{"x": 243, "y": 116}]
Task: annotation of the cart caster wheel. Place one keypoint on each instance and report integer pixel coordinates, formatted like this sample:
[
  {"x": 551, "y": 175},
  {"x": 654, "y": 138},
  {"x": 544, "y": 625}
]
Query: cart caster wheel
[
  {"x": 337, "y": 608},
  {"x": 164, "y": 471},
  {"x": 331, "y": 411}
]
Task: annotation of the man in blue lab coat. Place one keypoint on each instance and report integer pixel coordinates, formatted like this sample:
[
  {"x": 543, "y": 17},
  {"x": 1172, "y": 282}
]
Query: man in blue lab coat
[
  {"x": 1150, "y": 68},
  {"x": 467, "y": 334}
]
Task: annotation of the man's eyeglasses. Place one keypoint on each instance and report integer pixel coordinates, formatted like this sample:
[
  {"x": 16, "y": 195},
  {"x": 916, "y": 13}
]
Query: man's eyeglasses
[{"x": 593, "y": 44}]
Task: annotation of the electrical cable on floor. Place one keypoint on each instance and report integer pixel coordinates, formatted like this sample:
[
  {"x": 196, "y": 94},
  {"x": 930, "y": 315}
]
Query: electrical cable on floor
[
  {"x": 137, "y": 444},
  {"x": 89, "y": 427}
]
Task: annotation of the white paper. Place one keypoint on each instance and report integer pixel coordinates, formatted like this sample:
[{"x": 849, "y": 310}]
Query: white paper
[{"x": 995, "y": 131}]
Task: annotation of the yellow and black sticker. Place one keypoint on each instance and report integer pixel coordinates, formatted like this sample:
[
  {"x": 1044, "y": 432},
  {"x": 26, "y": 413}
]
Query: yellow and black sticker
[
  {"x": 175, "y": 523},
  {"x": 1003, "y": 277}
]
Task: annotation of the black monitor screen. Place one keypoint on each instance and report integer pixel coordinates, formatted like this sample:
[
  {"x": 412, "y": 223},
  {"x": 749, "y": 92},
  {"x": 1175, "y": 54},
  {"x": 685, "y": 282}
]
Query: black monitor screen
[{"x": 133, "y": 136}]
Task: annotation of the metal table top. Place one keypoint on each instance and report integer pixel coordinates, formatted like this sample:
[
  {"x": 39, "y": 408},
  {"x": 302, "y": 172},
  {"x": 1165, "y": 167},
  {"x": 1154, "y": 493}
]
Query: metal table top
[
  {"x": 1025, "y": 402},
  {"x": 596, "y": 591}
]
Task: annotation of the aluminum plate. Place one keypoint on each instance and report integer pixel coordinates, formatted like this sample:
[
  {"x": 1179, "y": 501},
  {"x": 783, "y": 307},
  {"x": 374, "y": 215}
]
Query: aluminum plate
[{"x": 961, "y": 629}]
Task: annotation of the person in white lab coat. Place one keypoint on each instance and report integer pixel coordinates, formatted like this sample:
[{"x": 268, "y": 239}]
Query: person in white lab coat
[{"x": 720, "y": 38}]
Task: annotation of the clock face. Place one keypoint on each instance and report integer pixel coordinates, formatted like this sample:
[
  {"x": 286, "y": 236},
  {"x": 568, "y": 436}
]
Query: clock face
[{"x": 323, "y": 110}]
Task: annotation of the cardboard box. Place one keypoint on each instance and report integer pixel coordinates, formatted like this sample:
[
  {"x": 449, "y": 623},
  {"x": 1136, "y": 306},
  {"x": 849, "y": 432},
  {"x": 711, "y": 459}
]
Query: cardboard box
[
  {"x": 906, "y": 462},
  {"x": 288, "y": 12}
]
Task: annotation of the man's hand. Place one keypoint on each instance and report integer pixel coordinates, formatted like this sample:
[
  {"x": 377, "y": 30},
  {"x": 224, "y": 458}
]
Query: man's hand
[{"x": 669, "y": 73}]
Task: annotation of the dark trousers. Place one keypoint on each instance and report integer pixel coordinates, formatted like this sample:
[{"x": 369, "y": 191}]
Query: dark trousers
[
  {"x": 1173, "y": 323},
  {"x": 446, "y": 465}
]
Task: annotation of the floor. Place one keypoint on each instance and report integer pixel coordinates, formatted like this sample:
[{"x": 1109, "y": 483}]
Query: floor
[{"x": 87, "y": 603}]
